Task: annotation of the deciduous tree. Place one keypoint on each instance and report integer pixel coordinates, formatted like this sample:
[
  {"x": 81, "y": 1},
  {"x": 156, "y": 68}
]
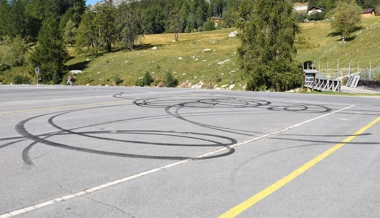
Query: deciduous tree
[{"x": 345, "y": 18}]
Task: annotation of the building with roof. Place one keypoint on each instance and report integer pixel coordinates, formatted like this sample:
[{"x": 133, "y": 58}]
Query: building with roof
[
  {"x": 315, "y": 9},
  {"x": 368, "y": 12}
]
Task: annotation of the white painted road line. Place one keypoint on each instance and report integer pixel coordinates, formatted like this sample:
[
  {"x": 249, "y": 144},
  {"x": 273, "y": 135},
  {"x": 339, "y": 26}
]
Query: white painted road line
[{"x": 103, "y": 186}]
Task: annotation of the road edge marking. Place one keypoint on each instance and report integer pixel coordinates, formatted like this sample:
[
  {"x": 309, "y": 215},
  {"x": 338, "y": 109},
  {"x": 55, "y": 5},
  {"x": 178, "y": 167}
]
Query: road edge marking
[
  {"x": 282, "y": 182},
  {"x": 103, "y": 186},
  {"x": 270, "y": 134}
]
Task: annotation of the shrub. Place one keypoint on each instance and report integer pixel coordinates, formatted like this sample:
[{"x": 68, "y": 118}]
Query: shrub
[
  {"x": 147, "y": 79},
  {"x": 19, "y": 79},
  {"x": 209, "y": 25},
  {"x": 139, "y": 82},
  {"x": 170, "y": 81},
  {"x": 117, "y": 80}
]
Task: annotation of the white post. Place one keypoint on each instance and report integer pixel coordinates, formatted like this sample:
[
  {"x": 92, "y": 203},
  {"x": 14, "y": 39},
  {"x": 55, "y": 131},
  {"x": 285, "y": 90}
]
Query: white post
[
  {"x": 358, "y": 67},
  {"x": 339, "y": 69},
  {"x": 349, "y": 71}
]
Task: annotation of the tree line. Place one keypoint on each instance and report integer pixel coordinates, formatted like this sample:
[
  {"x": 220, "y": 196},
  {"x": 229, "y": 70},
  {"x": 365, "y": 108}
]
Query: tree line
[{"x": 36, "y": 32}]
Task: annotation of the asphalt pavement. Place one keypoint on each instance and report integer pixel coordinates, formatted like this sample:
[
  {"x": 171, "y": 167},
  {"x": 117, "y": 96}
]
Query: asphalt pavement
[{"x": 77, "y": 151}]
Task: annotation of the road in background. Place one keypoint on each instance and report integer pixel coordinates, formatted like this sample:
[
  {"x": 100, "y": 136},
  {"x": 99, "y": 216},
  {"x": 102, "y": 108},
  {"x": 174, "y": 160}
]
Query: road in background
[{"x": 154, "y": 152}]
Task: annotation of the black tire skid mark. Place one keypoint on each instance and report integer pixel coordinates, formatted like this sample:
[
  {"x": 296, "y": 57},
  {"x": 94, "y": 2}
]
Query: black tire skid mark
[
  {"x": 223, "y": 129},
  {"x": 20, "y": 128}
]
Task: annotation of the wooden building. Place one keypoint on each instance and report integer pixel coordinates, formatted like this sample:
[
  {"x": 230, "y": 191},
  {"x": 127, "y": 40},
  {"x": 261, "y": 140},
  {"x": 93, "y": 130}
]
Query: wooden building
[{"x": 368, "y": 12}]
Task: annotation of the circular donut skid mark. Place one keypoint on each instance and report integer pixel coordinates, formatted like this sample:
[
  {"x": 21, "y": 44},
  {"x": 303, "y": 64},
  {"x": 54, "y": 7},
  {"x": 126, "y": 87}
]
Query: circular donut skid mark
[{"x": 217, "y": 140}]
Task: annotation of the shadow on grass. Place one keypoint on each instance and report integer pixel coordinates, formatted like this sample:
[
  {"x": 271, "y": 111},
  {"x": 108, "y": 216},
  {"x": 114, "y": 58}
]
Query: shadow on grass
[
  {"x": 336, "y": 34},
  {"x": 79, "y": 65},
  {"x": 146, "y": 46}
]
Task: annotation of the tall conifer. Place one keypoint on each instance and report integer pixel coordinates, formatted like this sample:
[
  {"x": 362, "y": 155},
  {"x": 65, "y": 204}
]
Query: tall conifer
[
  {"x": 267, "y": 50},
  {"x": 49, "y": 54}
]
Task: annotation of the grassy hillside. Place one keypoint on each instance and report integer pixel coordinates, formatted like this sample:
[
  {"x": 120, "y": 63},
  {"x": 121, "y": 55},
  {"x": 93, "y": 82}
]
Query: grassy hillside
[
  {"x": 317, "y": 44},
  {"x": 191, "y": 64},
  {"x": 186, "y": 59}
]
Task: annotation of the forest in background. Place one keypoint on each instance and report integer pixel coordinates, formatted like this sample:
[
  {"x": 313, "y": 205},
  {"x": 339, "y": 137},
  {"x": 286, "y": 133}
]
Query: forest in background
[{"x": 37, "y": 33}]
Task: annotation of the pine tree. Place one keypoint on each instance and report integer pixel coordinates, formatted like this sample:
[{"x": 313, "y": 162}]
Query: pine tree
[
  {"x": 69, "y": 33},
  {"x": 86, "y": 33},
  {"x": 267, "y": 50},
  {"x": 4, "y": 9},
  {"x": 49, "y": 54},
  {"x": 105, "y": 24},
  {"x": 129, "y": 24}
]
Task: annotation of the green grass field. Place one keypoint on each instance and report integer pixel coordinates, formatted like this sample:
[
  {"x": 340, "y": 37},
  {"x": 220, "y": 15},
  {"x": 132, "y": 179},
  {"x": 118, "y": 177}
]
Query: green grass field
[{"x": 190, "y": 64}]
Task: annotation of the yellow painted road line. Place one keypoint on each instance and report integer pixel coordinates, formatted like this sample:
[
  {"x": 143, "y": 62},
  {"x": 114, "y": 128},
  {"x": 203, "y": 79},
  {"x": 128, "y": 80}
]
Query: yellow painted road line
[
  {"x": 63, "y": 107},
  {"x": 280, "y": 183}
]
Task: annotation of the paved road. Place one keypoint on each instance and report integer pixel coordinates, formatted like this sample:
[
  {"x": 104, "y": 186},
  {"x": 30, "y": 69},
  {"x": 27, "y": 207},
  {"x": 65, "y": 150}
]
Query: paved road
[
  {"x": 149, "y": 152},
  {"x": 361, "y": 90}
]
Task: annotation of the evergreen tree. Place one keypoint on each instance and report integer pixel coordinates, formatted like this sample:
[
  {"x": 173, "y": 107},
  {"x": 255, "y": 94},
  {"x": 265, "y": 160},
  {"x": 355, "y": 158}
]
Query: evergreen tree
[
  {"x": 4, "y": 8},
  {"x": 105, "y": 24},
  {"x": 312, "y": 3},
  {"x": 129, "y": 24},
  {"x": 172, "y": 24},
  {"x": 16, "y": 24},
  {"x": 154, "y": 20},
  {"x": 49, "y": 54},
  {"x": 86, "y": 33},
  {"x": 69, "y": 33},
  {"x": 190, "y": 23},
  {"x": 266, "y": 54},
  {"x": 15, "y": 50}
]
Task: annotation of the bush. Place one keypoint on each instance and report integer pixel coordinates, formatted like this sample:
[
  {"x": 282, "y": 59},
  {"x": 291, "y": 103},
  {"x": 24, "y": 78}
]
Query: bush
[
  {"x": 170, "y": 81},
  {"x": 316, "y": 16},
  {"x": 147, "y": 79},
  {"x": 117, "y": 80},
  {"x": 209, "y": 25},
  {"x": 139, "y": 82},
  {"x": 19, "y": 79}
]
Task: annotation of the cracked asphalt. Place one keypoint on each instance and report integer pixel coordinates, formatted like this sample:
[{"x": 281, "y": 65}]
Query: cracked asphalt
[{"x": 154, "y": 152}]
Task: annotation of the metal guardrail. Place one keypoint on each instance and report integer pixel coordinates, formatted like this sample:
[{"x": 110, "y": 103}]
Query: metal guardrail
[
  {"x": 352, "y": 81},
  {"x": 324, "y": 85}
]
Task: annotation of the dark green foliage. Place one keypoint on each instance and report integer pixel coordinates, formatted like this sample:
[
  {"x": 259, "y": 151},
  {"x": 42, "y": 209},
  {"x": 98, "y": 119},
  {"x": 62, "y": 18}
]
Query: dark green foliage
[
  {"x": 300, "y": 17},
  {"x": 312, "y": 3},
  {"x": 266, "y": 53},
  {"x": 345, "y": 18},
  {"x": 147, "y": 79},
  {"x": 169, "y": 80},
  {"x": 49, "y": 54},
  {"x": 154, "y": 20},
  {"x": 20, "y": 79},
  {"x": 139, "y": 82},
  {"x": 69, "y": 33},
  {"x": 117, "y": 80},
  {"x": 316, "y": 16},
  {"x": 129, "y": 24},
  {"x": 105, "y": 24},
  {"x": 14, "y": 52},
  {"x": 209, "y": 26},
  {"x": 86, "y": 37}
]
